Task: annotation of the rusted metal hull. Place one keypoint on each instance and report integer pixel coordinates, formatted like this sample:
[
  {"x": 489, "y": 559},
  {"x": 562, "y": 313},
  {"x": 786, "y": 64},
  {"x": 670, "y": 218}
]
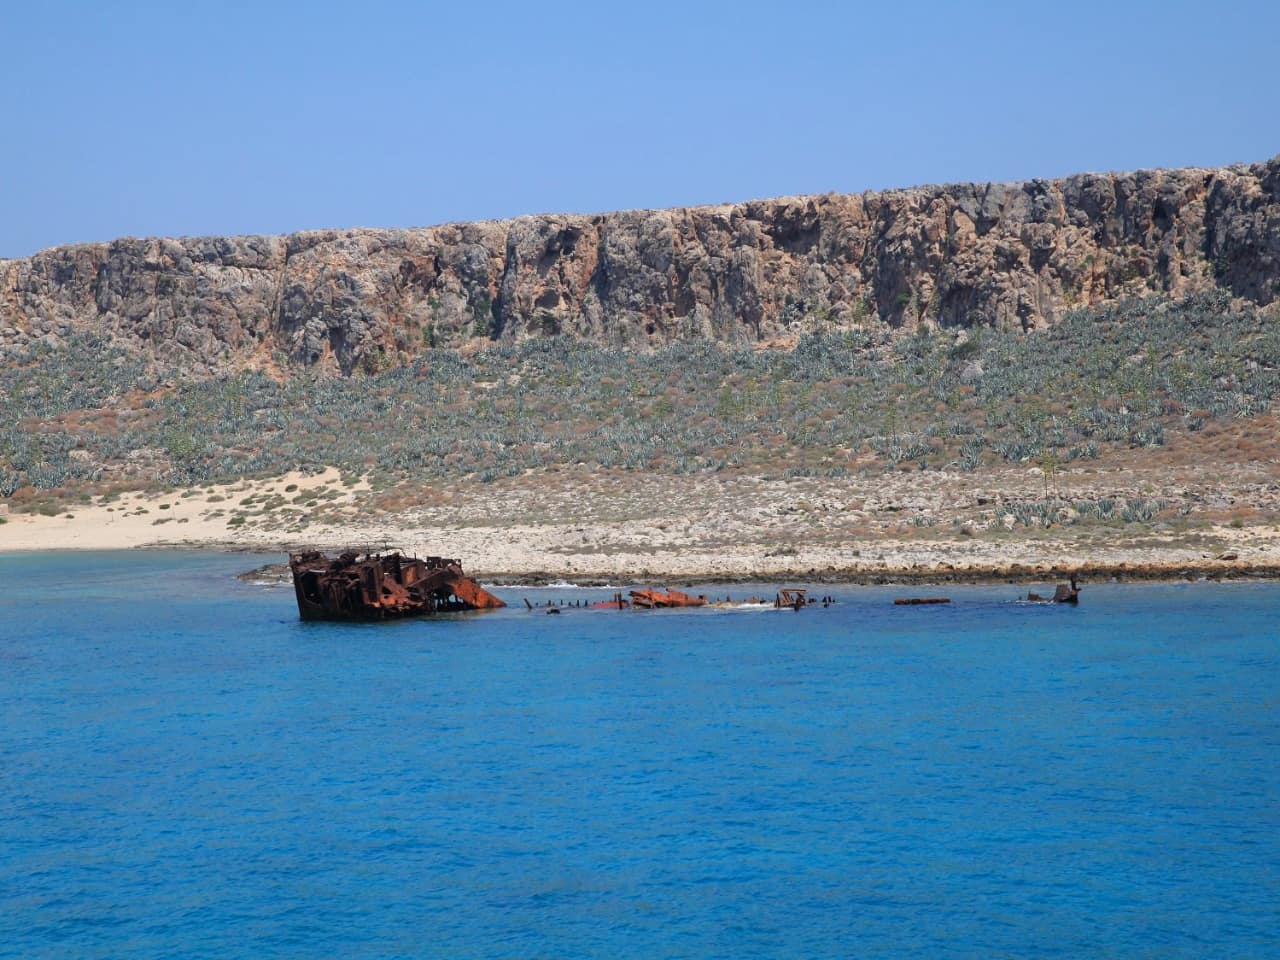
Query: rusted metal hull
[
  {"x": 655, "y": 599},
  {"x": 617, "y": 603},
  {"x": 1064, "y": 593},
  {"x": 382, "y": 587},
  {"x": 793, "y": 598}
]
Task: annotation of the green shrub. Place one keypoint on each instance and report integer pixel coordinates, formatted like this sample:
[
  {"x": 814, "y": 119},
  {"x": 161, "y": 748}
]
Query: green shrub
[{"x": 1127, "y": 375}]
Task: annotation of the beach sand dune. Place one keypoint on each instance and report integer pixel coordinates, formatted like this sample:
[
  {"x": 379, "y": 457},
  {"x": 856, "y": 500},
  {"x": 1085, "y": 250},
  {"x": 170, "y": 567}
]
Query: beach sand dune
[{"x": 580, "y": 524}]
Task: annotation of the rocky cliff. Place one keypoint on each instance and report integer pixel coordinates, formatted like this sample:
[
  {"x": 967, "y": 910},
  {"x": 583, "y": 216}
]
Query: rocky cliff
[{"x": 969, "y": 254}]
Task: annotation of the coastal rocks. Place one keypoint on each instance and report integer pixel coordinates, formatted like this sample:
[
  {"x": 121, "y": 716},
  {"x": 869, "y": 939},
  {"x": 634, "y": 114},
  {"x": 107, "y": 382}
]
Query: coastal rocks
[
  {"x": 1006, "y": 255},
  {"x": 200, "y": 303}
]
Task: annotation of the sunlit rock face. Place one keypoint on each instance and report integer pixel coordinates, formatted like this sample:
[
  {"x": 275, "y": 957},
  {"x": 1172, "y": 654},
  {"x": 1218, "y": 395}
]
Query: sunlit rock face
[{"x": 1006, "y": 255}]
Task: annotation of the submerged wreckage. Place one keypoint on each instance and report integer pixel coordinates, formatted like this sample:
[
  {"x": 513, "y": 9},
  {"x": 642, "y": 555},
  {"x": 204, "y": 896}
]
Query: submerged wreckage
[
  {"x": 1064, "y": 593},
  {"x": 379, "y": 586}
]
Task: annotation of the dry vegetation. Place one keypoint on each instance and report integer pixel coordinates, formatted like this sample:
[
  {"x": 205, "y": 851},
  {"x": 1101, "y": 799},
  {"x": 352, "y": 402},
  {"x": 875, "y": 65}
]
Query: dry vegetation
[{"x": 1142, "y": 427}]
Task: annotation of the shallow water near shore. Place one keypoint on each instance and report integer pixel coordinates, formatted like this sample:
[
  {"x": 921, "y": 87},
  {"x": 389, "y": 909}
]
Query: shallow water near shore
[{"x": 190, "y": 771}]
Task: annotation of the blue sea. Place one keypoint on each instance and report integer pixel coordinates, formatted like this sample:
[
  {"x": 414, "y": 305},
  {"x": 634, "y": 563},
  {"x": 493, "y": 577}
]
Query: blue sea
[{"x": 186, "y": 770}]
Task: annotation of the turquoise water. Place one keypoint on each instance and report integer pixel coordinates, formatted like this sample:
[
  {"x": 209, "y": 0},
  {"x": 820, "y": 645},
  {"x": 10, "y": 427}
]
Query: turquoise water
[{"x": 200, "y": 775}]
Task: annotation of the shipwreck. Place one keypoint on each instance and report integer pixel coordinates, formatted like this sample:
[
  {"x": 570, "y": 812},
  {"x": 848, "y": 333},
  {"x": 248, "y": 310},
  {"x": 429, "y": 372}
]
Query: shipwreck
[
  {"x": 1064, "y": 593},
  {"x": 382, "y": 586},
  {"x": 644, "y": 599}
]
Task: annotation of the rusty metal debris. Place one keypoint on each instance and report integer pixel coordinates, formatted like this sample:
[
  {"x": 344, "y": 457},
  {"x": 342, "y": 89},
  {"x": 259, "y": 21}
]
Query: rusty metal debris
[
  {"x": 379, "y": 586},
  {"x": 1064, "y": 593},
  {"x": 793, "y": 598},
  {"x": 655, "y": 599},
  {"x": 617, "y": 602},
  {"x": 647, "y": 598},
  {"x": 916, "y": 601}
]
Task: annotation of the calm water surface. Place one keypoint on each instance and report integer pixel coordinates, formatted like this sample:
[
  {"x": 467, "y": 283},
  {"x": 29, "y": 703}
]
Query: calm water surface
[{"x": 188, "y": 771}]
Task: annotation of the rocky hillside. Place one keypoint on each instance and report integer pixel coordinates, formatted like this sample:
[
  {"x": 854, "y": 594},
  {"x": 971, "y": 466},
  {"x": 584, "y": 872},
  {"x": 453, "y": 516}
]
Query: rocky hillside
[{"x": 1006, "y": 255}]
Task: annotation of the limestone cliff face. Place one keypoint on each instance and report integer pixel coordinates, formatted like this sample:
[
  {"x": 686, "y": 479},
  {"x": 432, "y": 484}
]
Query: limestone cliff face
[{"x": 969, "y": 254}]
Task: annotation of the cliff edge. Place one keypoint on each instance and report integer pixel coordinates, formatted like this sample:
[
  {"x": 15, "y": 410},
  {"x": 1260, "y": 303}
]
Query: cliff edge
[{"x": 1005, "y": 255}]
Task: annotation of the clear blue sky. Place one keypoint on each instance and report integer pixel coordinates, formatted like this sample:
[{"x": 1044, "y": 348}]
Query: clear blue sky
[{"x": 180, "y": 118}]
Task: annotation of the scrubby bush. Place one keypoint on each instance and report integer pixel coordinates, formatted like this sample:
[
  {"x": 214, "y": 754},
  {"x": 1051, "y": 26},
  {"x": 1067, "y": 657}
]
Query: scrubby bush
[{"x": 1126, "y": 375}]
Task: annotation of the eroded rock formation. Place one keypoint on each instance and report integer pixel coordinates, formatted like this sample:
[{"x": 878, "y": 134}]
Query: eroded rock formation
[{"x": 968, "y": 254}]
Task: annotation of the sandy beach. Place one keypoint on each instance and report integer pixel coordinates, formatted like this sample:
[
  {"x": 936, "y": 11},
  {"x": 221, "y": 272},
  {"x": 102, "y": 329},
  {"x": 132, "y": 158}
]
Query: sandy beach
[{"x": 580, "y": 525}]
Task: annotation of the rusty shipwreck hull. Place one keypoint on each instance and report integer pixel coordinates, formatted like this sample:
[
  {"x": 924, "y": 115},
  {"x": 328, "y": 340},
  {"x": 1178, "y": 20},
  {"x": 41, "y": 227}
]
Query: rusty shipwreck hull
[
  {"x": 658, "y": 599},
  {"x": 1064, "y": 593},
  {"x": 376, "y": 586}
]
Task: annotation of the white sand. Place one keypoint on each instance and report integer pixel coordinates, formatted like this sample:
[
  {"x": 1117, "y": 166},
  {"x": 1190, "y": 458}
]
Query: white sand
[
  {"x": 576, "y": 524},
  {"x": 184, "y": 517}
]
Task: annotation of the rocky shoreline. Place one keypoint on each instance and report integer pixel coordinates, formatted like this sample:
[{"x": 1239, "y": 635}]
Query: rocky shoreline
[{"x": 712, "y": 531}]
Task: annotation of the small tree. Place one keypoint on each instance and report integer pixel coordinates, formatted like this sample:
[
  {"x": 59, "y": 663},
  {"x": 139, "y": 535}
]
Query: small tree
[{"x": 1049, "y": 468}]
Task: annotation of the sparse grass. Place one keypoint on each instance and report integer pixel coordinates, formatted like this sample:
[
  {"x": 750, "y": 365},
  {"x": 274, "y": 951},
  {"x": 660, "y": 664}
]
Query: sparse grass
[{"x": 1132, "y": 376}]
